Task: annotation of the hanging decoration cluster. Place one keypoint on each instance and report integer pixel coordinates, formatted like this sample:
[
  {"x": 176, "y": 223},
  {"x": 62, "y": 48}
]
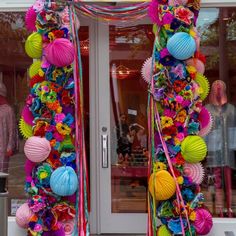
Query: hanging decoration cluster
[
  {"x": 52, "y": 124},
  {"x": 177, "y": 121}
]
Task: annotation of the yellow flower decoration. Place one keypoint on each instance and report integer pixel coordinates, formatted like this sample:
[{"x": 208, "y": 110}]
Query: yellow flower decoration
[
  {"x": 191, "y": 69},
  {"x": 63, "y": 129},
  {"x": 180, "y": 180},
  {"x": 158, "y": 166},
  {"x": 192, "y": 216},
  {"x": 43, "y": 175},
  {"x": 192, "y": 33},
  {"x": 181, "y": 116},
  {"x": 41, "y": 73},
  {"x": 166, "y": 121}
]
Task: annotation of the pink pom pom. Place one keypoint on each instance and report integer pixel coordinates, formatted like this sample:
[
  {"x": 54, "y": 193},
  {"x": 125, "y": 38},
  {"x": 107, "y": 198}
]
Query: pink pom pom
[
  {"x": 27, "y": 116},
  {"x": 60, "y": 52},
  {"x": 23, "y": 215},
  {"x": 30, "y": 19},
  {"x": 69, "y": 227},
  {"x": 203, "y": 222},
  {"x": 37, "y": 149}
]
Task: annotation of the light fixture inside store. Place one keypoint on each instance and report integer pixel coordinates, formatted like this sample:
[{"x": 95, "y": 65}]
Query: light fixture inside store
[
  {"x": 122, "y": 72},
  {"x": 84, "y": 47}
]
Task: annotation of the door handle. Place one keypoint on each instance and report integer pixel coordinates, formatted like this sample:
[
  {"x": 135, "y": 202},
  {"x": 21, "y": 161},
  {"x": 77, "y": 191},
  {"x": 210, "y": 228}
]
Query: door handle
[{"x": 104, "y": 151}]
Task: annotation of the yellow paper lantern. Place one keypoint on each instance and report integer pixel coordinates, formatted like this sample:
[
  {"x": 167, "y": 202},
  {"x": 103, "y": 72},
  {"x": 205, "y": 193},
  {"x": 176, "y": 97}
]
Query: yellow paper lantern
[
  {"x": 161, "y": 185},
  {"x": 34, "y": 45},
  {"x": 34, "y": 68}
]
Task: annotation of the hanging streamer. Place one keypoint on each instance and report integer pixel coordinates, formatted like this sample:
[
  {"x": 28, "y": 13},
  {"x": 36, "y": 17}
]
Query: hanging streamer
[
  {"x": 177, "y": 90},
  {"x": 56, "y": 171}
]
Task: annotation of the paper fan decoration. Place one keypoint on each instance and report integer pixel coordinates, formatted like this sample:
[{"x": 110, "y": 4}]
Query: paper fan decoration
[
  {"x": 60, "y": 52},
  {"x": 34, "y": 68},
  {"x": 204, "y": 85},
  {"x": 68, "y": 227},
  {"x": 23, "y": 215},
  {"x": 194, "y": 171},
  {"x": 25, "y": 129},
  {"x": 37, "y": 149},
  {"x": 206, "y": 122},
  {"x": 157, "y": 181},
  {"x": 181, "y": 45},
  {"x": 193, "y": 149},
  {"x": 30, "y": 19},
  {"x": 147, "y": 70},
  {"x": 34, "y": 45},
  {"x": 200, "y": 67},
  {"x": 163, "y": 231},
  {"x": 203, "y": 222},
  {"x": 27, "y": 116}
]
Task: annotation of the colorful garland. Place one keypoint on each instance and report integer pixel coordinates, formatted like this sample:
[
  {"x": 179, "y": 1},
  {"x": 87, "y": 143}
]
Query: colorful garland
[
  {"x": 53, "y": 123},
  {"x": 176, "y": 119}
]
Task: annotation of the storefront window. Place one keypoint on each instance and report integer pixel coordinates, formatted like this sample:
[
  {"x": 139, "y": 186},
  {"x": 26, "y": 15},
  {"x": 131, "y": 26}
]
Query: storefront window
[
  {"x": 14, "y": 80},
  {"x": 217, "y": 28}
]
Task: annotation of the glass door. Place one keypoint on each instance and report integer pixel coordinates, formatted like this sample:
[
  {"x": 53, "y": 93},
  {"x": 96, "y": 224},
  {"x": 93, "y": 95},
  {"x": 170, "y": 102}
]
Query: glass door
[{"x": 123, "y": 127}]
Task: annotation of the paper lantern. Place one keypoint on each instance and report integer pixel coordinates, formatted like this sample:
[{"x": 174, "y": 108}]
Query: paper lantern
[
  {"x": 181, "y": 46},
  {"x": 64, "y": 181},
  {"x": 206, "y": 122},
  {"x": 33, "y": 45},
  {"x": 163, "y": 231},
  {"x": 27, "y": 116},
  {"x": 25, "y": 129},
  {"x": 37, "y": 149},
  {"x": 23, "y": 215},
  {"x": 60, "y": 52},
  {"x": 203, "y": 222},
  {"x": 194, "y": 171},
  {"x": 157, "y": 181},
  {"x": 193, "y": 149},
  {"x": 177, "y": 2},
  {"x": 34, "y": 68},
  {"x": 204, "y": 85},
  {"x": 30, "y": 19},
  {"x": 147, "y": 70},
  {"x": 200, "y": 67}
]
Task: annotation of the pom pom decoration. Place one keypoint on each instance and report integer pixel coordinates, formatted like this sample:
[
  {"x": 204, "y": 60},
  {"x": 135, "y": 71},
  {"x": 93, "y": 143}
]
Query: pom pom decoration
[
  {"x": 23, "y": 215},
  {"x": 194, "y": 171},
  {"x": 203, "y": 222},
  {"x": 27, "y": 116},
  {"x": 206, "y": 122},
  {"x": 68, "y": 227},
  {"x": 30, "y": 19},
  {"x": 163, "y": 231},
  {"x": 147, "y": 70},
  {"x": 181, "y": 45},
  {"x": 60, "y": 52},
  {"x": 34, "y": 68},
  {"x": 25, "y": 129},
  {"x": 200, "y": 67},
  {"x": 177, "y": 2},
  {"x": 204, "y": 85},
  {"x": 157, "y": 181},
  {"x": 34, "y": 46},
  {"x": 193, "y": 149},
  {"x": 37, "y": 149},
  {"x": 64, "y": 181}
]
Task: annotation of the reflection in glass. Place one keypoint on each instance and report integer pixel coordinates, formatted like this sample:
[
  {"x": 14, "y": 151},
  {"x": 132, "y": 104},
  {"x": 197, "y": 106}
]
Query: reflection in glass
[{"x": 129, "y": 48}]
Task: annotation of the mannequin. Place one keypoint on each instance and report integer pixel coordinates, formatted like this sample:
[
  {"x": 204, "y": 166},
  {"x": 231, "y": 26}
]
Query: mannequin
[
  {"x": 221, "y": 146},
  {"x": 7, "y": 129}
]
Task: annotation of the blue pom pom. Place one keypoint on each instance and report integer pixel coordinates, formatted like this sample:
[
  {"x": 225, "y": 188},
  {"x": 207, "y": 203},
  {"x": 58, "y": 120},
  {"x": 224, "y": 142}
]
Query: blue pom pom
[
  {"x": 64, "y": 181},
  {"x": 181, "y": 46}
]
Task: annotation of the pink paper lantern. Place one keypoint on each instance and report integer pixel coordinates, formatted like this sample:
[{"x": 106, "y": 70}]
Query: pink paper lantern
[
  {"x": 203, "y": 222},
  {"x": 60, "y": 52},
  {"x": 200, "y": 67},
  {"x": 37, "y": 149},
  {"x": 23, "y": 215}
]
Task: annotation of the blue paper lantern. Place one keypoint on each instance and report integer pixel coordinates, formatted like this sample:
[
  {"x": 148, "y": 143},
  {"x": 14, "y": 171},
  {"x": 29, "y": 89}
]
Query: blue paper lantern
[
  {"x": 181, "y": 45},
  {"x": 64, "y": 181}
]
